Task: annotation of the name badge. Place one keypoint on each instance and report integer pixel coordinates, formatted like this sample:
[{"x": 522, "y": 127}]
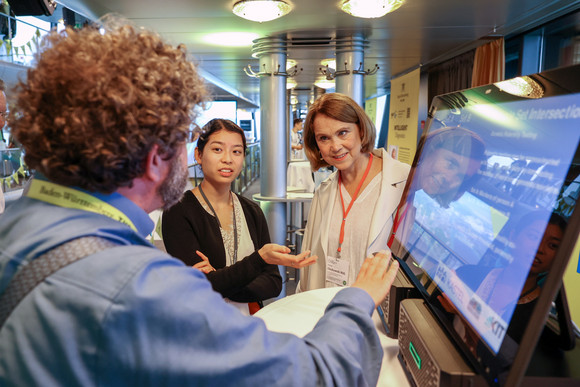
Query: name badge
[{"x": 337, "y": 271}]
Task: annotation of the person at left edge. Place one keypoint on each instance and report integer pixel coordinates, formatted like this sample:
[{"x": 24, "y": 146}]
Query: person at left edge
[
  {"x": 221, "y": 233},
  {"x": 3, "y": 113}
]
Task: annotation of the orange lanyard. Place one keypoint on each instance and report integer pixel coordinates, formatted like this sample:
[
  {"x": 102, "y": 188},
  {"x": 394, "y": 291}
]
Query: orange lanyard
[
  {"x": 397, "y": 221},
  {"x": 345, "y": 213}
]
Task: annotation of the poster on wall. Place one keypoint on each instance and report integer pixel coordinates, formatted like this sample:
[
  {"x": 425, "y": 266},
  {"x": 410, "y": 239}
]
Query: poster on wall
[
  {"x": 404, "y": 117},
  {"x": 375, "y": 109},
  {"x": 371, "y": 109}
]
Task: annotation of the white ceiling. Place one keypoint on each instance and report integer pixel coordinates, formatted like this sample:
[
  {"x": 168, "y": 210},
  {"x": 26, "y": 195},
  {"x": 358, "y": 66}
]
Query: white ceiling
[{"x": 421, "y": 32}]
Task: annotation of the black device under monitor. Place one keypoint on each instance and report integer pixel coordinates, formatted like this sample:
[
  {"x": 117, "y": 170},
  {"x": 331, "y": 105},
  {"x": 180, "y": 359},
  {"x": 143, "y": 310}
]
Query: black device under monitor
[
  {"x": 401, "y": 289},
  {"x": 486, "y": 226}
]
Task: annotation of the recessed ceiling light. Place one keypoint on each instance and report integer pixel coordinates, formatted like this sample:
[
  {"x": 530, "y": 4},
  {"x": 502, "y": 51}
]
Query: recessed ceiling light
[
  {"x": 330, "y": 62},
  {"x": 370, "y": 8},
  {"x": 231, "y": 39},
  {"x": 290, "y": 83},
  {"x": 522, "y": 87},
  {"x": 261, "y": 10},
  {"x": 324, "y": 83},
  {"x": 290, "y": 63}
]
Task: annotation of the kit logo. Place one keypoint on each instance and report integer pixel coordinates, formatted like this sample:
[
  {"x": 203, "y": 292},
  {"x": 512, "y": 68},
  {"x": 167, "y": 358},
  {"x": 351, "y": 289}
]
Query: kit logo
[{"x": 497, "y": 328}]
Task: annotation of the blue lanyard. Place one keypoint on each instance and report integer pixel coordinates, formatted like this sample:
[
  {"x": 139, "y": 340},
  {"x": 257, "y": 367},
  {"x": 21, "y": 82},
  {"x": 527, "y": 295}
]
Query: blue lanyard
[{"x": 220, "y": 225}]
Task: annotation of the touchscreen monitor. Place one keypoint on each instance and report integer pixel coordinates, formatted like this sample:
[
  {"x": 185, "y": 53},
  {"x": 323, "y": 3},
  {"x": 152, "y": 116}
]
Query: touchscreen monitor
[{"x": 486, "y": 208}]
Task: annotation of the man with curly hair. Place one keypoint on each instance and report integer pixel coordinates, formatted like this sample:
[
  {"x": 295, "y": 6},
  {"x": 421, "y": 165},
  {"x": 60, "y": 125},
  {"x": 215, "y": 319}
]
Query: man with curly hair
[{"x": 103, "y": 118}]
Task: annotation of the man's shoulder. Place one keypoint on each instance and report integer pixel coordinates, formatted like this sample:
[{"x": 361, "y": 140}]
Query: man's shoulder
[{"x": 122, "y": 272}]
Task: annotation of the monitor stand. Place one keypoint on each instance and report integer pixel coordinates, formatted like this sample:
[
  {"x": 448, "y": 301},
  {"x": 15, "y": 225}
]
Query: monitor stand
[
  {"x": 564, "y": 332},
  {"x": 557, "y": 355},
  {"x": 388, "y": 310}
]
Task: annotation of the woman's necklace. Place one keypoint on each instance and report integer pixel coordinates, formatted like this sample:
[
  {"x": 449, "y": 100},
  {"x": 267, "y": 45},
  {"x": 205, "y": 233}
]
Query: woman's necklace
[
  {"x": 527, "y": 296},
  {"x": 218, "y": 220}
]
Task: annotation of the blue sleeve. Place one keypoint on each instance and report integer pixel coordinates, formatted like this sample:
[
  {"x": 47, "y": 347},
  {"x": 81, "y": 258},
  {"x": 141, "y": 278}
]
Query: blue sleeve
[
  {"x": 168, "y": 327},
  {"x": 345, "y": 343}
]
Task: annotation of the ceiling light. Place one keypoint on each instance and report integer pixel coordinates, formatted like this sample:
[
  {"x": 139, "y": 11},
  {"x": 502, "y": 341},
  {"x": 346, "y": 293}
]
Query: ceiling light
[
  {"x": 522, "y": 87},
  {"x": 330, "y": 62},
  {"x": 261, "y": 10},
  {"x": 324, "y": 83},
  {"x": 290, "y": 63},
  {"x": 290, "y": 83},
  {"x": 370, "y": 8}
]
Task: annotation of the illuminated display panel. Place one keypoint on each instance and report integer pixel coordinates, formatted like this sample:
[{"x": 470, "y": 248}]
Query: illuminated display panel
[{"x": 486, "y": 208}]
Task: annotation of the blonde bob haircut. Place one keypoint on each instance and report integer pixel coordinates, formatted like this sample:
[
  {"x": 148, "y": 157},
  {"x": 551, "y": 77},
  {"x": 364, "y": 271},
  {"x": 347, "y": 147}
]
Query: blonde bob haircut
[{"x": 341, "y": 108}]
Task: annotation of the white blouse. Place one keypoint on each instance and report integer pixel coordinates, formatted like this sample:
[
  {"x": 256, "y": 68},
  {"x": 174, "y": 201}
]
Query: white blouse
[
  {"x": 245, "y": 243},
  {"x": 356, "y": 228}
]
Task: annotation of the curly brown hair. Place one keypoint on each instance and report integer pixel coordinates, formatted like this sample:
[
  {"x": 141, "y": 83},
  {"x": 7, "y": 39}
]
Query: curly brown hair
[{"x": 96, "y": 103}]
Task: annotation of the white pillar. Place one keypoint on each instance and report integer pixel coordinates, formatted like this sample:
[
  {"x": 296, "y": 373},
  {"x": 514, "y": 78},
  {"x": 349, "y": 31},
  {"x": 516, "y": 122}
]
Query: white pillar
[
  {"x": 349, "y": 60},
  {"x": 271, "y": 52}
]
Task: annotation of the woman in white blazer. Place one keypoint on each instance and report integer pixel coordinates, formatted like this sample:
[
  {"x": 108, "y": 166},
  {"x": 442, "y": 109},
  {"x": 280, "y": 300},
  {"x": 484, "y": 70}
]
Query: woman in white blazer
[{"x": 351, "y": 215}]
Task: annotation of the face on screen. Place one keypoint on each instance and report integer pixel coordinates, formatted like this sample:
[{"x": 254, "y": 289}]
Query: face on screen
[
  {"x": 526, "y": 241},
  {"x": 449, "y": 159},
  {"x": 546, "y": 252},
  {"x": 537, "y": 242},
  {"x": 443, "y": 171}
]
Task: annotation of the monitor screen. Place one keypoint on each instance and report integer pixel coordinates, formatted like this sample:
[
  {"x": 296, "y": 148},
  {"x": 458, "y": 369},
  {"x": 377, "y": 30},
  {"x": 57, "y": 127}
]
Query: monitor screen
[{"x": 485, "y": 209}]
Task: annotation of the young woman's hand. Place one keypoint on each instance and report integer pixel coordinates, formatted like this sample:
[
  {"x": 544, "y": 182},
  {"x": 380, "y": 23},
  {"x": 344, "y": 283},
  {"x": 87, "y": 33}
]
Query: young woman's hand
[
  {"x": 204, "y": 265},
  {"x": 279, "y": 255}
]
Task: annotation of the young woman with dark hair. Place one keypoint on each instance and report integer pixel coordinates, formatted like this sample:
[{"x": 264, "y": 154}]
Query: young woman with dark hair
[{"x": 224, "y": 234}]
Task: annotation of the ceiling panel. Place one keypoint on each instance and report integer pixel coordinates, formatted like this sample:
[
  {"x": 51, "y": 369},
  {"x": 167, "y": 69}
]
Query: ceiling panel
[{"x": 420, "y": 32}]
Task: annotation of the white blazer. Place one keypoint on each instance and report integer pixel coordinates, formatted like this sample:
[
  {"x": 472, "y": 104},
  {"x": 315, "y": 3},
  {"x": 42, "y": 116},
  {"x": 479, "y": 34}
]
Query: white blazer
[{"x": 394, "y": 177}]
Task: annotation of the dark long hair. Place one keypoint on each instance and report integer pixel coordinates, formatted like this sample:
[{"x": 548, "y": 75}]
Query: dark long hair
[{"x": 216, "y": 125}]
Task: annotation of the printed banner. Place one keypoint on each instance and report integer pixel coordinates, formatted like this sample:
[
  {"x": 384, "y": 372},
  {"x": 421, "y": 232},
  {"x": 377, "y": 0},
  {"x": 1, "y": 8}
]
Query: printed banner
[{"x": 404, "y": 117}]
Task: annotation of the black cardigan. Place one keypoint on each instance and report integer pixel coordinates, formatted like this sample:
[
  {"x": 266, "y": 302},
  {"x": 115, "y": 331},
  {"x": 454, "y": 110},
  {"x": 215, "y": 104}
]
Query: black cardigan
[{"x": 187, "y": 227}]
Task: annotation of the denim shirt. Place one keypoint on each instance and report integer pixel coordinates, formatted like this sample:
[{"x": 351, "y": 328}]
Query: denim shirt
[{"x": 133, "y": 315}]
